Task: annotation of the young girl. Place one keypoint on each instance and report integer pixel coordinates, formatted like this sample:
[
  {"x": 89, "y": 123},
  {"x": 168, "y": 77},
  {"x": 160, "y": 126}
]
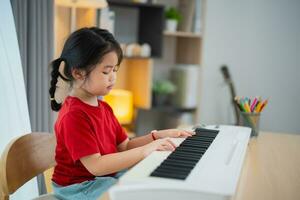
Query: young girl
[{"x": 91, "y": 145}]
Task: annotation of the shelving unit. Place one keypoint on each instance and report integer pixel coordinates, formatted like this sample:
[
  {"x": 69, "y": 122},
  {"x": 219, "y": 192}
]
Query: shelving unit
[
  {"x": 182, "y": 34},
  {"x": 150, "y": 23},
  {"x": 188, "y": 48}
]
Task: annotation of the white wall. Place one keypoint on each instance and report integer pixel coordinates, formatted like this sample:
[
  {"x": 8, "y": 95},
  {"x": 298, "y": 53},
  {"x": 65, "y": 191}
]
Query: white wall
[
  {"x": 14, "y": 116},
  {"x": 260, "y": 42}
]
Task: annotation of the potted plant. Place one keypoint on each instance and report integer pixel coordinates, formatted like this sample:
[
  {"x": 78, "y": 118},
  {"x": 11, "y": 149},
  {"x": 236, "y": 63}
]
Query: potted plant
[
  {"x": 172, "y": 18},
  {"x": 162, "y": 90}
]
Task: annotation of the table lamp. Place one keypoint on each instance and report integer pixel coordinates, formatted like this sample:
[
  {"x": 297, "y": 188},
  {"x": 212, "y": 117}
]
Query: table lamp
[{"x": 121, "y": 102}]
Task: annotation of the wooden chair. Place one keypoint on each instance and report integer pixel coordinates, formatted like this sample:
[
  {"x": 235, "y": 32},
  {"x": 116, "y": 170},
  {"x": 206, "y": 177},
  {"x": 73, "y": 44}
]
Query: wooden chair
[{"x": 24, "y": 158}]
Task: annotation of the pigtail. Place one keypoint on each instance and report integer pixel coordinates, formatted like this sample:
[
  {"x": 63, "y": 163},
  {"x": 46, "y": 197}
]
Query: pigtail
[{"x": 54, "y": 78}]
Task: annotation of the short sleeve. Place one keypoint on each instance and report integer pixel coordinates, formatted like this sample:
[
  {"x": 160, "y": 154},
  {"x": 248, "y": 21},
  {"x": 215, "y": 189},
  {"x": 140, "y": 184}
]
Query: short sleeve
[
  {"x": 80, "y": 139},
  {"x": 121, "y": 134}
]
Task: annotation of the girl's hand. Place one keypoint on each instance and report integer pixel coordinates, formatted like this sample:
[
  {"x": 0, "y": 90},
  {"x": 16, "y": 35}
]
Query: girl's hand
[
  {"x": 164, "y": 144},
  {"x": 173, "y": 133}
]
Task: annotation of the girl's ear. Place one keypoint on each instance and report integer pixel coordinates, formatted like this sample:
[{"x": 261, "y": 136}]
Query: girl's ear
[{"x": 78, "y": 74}]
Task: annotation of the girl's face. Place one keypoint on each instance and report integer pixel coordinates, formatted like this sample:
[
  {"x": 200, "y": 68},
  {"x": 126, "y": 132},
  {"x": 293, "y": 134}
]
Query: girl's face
[{"x": 103, "y": 77}]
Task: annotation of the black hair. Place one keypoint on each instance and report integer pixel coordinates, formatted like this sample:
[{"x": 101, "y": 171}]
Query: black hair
[{"x": 83, "y": 49}]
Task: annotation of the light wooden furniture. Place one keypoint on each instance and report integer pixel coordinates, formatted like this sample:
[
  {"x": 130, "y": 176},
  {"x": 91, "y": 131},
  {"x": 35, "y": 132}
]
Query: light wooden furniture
[
  {"x": 48, "y": 179},
  {"x": 271, "y": 169},
  {"x": 24, "y": 158},
  {"x": 135, "y": 75}
]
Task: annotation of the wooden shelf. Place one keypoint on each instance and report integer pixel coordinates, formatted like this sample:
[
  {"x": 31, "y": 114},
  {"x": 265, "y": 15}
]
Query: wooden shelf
[
  {"x": 132, "y": 4},
  {"x": 183, "y": 34},
  {"x": 135, "y": 57}
]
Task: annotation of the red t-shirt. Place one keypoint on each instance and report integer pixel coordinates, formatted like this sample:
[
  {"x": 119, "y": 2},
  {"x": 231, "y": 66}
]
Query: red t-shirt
[{"x": 82, "y": 130}]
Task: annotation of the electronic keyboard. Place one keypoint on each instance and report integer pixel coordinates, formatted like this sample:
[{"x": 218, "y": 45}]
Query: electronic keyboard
[{"x": 204, "y": 166}]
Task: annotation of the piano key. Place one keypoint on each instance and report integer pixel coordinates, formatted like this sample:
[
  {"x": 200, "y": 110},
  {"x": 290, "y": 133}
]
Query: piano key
[
  {"x": 198, "y": 138},
  {"x": 188, "y": 162},
  {"x": 168, "y": 175},
  {"x": 179, "y": 164},
  {"x": 172, "y": 168},
  {"x": 206, "y": 130},
  {"x": 207, "y": 135},
  {"x": 200, "y": 148},
  {"x": 189, "y": 150},
  {"x": 187, "y": 154},
  {"x": 180, "y": 157},
  {"x": 207, "y": 139},
  {"x": 198, "y": 144},
  {"x": 194, "y": 145}
]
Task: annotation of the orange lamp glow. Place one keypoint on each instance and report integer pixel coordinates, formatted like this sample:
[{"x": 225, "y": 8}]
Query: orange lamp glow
[{"x": 121, "y": 102}]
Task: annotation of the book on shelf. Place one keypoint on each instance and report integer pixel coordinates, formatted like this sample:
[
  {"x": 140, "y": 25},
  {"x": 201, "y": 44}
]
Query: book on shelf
[
  {"x": 187, "y": 10},
  {"x": 197, "y": 17}
]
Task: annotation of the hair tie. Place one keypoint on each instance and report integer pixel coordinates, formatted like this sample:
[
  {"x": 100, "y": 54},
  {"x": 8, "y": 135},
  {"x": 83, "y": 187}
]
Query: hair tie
[{"x": 52, "y": 99}]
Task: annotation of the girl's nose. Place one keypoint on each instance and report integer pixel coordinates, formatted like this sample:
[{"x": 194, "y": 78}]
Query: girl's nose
[{"x": 113, "y": 77}]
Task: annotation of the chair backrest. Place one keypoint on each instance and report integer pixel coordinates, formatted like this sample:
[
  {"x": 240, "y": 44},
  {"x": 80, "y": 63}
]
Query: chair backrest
[{"x": 24, "y": 158}]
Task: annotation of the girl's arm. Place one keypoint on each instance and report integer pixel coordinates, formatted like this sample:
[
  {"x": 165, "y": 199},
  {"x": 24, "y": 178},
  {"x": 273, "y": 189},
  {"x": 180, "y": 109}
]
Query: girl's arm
[
  {"x": 100, "y": 165},
  {"x": 142, "y": 140}
]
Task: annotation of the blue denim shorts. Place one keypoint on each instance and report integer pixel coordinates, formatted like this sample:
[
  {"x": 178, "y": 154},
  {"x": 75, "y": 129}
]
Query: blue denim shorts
[{"x": 88, "y": 190}]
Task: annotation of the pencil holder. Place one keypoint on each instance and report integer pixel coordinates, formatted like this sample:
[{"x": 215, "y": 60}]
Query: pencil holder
[{"x": 250, "y": 120}]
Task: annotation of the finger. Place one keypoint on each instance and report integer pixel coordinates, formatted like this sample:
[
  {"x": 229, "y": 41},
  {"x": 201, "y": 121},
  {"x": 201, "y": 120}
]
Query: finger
[
  {"x": 190, "y": 132},
  {"x": 184, "y": 134},
  {"x": 171, "y": 143},
  {"x": 168, "y": 147}
]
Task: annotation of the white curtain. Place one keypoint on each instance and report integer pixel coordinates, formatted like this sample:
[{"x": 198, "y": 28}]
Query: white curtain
[{"x": 14, "y": 116}]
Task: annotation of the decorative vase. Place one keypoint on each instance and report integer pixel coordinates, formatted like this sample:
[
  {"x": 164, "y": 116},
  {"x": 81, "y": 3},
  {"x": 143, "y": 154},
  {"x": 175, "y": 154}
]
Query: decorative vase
[{"x": 171, "y": 25}]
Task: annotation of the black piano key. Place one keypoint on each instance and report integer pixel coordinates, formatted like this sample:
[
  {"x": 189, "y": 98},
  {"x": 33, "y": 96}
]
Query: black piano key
[
  {"x": 190, "y": 145},
  {"x": 209, "y": 139},
  {"x": 187, "y": 154},
  {"x": 204, "y": 139},
  {"x": 180, "y": 157},
  {"x": 200, "y": 135},
  {"x": 180, "y": 161},
  {"x": 206, "y": 133},
  {"x": 190, "y": 150},
  {"x": 169, "y": 175},
  {"x": 199, "y": 145},
  {"x": 199, "y": 139},
  {"x": 172, "y": 168},
  {"x": 194, "y": 145},
  {"x": 179, "y": 164},
  {"x": 203, "y": 130}
]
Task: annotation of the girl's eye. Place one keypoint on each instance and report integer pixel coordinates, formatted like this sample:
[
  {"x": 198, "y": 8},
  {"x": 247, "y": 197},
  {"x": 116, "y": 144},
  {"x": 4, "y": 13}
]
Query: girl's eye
[{"x": 116, "y": 68}]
